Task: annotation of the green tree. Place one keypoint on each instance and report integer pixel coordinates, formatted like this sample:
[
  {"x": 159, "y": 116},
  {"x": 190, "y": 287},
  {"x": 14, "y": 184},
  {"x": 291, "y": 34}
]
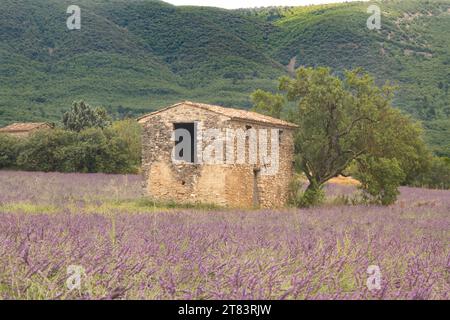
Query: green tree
[
  {"x": 8, "y": 151},
  {"x": 48, "y": 150},
  {"x": 90, "y": 150},
  {"x": 380, "y": 179},
  {"x": 344, "y": 120},
  {"x": 400, "y": 137},
  {"x": 267, "y": 103},
  {"x": 129, "y": 130},
  {"x": 82, "y": 116},
  {"x": 437, "y": 175}
]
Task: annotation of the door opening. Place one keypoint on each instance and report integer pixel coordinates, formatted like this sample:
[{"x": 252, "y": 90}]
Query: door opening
[
  {"x": 256, "y": 200},
  {"x": 185, "y": 142}
]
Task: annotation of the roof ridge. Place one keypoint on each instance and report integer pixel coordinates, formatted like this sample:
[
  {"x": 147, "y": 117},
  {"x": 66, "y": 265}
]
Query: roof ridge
[
  {"x": 232, "y": 113},
  {"x": 23, "y": 126}
]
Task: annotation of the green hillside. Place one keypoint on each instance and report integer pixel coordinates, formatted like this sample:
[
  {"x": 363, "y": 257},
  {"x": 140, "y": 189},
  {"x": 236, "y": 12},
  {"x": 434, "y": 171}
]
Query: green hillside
[{"x": 133, "y": 56}]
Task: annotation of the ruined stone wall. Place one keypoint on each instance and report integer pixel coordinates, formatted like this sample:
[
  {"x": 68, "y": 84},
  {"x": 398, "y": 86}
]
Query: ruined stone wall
[
  {"x": 231, "y": 185},
  {"x": 274, "y": 190},
  {"x": 21, "y": 134},
  {"x": 165, "y": 180},
  {"x": 271, "y": 190}
]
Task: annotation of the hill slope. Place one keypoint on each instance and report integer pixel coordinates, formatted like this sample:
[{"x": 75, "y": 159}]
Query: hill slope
[{"x": 135, "y": 56}]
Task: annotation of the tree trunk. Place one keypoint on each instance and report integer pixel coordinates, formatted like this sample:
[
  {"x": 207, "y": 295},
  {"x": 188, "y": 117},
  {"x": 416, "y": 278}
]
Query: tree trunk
[
  {"x": 313, "y": 186},
  {"x": 313, "y": 194}
]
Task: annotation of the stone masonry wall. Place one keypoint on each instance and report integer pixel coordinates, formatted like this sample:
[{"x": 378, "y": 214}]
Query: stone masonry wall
[
  {"x": 231, "y": 185},
  {"x": 272, "y": 190}
]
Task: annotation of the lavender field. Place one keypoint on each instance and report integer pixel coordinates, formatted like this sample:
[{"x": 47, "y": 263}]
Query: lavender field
[{"x": 130, "y": 249}]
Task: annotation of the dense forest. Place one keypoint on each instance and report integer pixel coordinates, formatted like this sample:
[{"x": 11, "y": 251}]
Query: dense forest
[{"x": 134, "y": 56}]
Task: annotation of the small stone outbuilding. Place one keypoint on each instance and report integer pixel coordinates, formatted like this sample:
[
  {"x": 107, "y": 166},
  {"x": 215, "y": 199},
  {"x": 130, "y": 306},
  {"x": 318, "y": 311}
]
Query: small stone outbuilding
[
  {"x": 24, "y": 129},
  {"x": 238, "y": 158}
]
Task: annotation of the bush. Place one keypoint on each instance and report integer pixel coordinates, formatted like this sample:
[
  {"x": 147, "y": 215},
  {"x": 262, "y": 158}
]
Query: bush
[
  {"x": 300, "y": 198},
  {"x": 436, "y": 176},
  {"x": 130, "y": 131},
  {"x": 8, "y": 151},
  {"x": 81, "y": 116},
  {"x": 312, "y": 197},
  {"x": 295, "y": 192},
  {"x": 47, "y": 150},
  {"x": 91, "y": 150},
  {"x": 380, "y": 179}
]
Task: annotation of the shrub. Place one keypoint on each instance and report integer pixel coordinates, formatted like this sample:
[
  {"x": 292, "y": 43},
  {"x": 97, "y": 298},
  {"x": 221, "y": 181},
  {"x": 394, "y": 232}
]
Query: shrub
[
  {"x": 81, "y": 116},
  {"x": 90, "y": 150},
  {"x": 295, "y": 192},
  {"x": 380, "y": 179},
  {"x": 436, "y": 176},
  {"x": 47, "y": 150},
  {"x": 312, "y": 197},
  {"x": 130, "y": 132},
  {"x": 8, "y": 151}
]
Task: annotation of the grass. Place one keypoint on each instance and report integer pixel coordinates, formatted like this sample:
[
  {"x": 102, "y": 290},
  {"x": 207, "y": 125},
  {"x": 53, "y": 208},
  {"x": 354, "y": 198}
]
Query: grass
[
  {"x": 107, "y": 206},
  {"x": 28, "y": 208}
]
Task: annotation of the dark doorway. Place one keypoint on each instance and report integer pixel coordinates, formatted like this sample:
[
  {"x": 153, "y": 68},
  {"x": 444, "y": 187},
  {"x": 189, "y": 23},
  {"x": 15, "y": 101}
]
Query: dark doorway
[
  {"x": 185, "y": 142},
  {"x": 255, "y": 188}
]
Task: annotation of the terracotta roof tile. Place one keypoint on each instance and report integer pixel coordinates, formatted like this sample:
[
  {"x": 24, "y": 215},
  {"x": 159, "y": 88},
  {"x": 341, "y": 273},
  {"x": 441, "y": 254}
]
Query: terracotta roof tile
[
  {"x": 234, "y": 114},
  {"x": 24, "y": 126}
]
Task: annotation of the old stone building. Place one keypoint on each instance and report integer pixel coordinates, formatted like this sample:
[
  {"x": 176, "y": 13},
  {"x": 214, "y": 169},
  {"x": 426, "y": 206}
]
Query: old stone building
[
  {"x": 25, "y": 129},
  {"x": 228, "y": 157}
]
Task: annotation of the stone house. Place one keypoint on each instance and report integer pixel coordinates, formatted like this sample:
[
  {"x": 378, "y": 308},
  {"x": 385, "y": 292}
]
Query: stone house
[
  {"x": 231, "y": 157},
  {"x": 25, "y": 129}
]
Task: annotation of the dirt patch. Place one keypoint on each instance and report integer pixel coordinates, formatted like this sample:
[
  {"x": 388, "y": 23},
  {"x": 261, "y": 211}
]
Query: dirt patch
[
  {"x": 408, "y": 52},
  {"x": 347, "y": 181},
  {"x": 291, "y": 66}
]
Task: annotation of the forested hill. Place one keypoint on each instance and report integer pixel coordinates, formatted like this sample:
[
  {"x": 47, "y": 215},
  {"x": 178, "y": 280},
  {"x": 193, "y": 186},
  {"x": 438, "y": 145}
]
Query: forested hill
[{"x": 133, "y": 56}]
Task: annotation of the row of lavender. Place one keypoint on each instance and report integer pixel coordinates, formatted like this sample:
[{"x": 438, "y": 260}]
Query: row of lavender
[{"x": 320, "y": 253}]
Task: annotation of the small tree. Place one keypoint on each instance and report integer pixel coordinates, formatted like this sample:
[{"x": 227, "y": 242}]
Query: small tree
[
  {"x": 130, "y": 130},
  {"x": 437, "y": 175},
  {"x": 82, "y": 116},
  {"x": 267, "y": 103},
  {"x": 380, "y": 179},
  {"x": 8, "y": 151},
  {"x": 90, "y": 150}
]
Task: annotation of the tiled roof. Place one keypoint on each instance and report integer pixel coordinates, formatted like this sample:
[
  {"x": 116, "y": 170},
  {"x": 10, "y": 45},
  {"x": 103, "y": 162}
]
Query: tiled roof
[
  {"x": 234, "y": 114},
  {"x": 24, "y": 126}
]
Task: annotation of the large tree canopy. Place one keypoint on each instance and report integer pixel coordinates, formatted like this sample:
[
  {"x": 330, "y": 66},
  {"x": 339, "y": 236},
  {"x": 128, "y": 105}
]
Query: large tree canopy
[{"x": 344, "y": 120}]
